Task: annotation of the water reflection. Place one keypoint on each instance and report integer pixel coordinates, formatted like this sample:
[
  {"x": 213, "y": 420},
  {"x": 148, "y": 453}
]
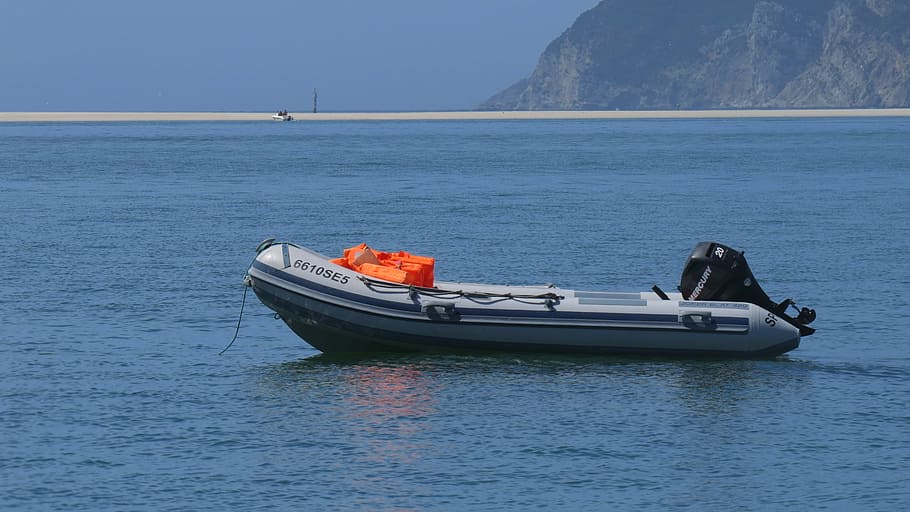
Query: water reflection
[
  {"x": 383, "y": 396},
  {"x": 380, "y": 407},
  {"x": 714, "y": 387},
  {"x": 386, "y": 410},
  {"x": 706, "y": 386},
  {"x": 399, "y": 408}
]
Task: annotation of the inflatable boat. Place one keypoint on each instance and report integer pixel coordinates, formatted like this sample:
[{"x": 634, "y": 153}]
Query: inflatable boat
[{"x": 347, "y": 305}]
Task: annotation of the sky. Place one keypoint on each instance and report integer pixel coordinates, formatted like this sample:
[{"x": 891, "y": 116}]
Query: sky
[{"x": 242, "y": 55}]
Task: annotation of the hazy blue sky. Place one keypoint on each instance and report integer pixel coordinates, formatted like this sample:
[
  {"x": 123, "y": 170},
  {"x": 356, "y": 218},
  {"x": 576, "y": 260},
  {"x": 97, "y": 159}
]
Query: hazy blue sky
[{"x": 242, "y": 55}]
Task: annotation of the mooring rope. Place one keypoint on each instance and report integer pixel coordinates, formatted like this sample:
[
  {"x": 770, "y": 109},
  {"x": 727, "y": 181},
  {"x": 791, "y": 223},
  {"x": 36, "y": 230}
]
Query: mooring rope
[
  {"x": 239, "y": 318},
  {"x": 434, "y": 292}
]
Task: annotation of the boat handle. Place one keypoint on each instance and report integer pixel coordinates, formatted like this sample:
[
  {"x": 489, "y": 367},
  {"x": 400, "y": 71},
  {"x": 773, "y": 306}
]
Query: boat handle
[
  {"x": 440, "y": 310},
  {"x": 447, "y": 307},
  {"x": 698, "y": 320}
]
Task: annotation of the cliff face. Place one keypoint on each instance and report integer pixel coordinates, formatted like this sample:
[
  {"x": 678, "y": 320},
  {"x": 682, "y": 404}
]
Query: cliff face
[{"x": 667, "y": 54}]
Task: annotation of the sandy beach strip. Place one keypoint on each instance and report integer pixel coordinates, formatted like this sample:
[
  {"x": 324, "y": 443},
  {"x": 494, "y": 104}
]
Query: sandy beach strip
[{"x": 443, "y": 116}]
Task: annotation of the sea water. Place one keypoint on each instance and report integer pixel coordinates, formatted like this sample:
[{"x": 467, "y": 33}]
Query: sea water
[{"x": 124, "y": 246}]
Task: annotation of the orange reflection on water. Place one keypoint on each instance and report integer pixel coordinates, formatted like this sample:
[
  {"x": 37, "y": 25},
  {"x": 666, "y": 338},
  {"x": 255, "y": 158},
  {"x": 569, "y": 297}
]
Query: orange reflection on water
[
  {"x": 390, "y": 406},
  {"x": 383, "y": 393}
]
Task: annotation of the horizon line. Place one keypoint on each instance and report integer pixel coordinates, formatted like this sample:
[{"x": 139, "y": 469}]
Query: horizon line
[{"x": 105, "y": 116}]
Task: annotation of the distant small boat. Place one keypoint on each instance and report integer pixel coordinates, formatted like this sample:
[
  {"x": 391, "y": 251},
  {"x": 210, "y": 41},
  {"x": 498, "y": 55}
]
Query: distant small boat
[
  {"x": 721, "y": 310},
  {"x": 282, "y": 116}
]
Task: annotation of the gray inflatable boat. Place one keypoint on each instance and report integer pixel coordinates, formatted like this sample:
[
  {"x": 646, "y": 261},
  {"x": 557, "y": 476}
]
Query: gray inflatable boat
[{"x": 719, "y": 311}]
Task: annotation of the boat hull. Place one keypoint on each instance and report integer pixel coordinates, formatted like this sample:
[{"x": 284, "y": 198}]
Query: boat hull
[{"x": 335, "y": 310}]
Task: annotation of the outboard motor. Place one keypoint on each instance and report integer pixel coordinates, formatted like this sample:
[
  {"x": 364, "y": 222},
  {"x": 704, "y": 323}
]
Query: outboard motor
[{"x": 717, "y": 272}]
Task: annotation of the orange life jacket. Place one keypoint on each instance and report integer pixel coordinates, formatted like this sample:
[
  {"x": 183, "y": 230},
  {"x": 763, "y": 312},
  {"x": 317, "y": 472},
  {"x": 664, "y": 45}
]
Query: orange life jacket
[{"x": 397, "y": 267}]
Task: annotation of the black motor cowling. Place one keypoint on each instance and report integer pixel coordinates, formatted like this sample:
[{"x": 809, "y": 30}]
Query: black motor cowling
[{"x": 717, "y": 272}]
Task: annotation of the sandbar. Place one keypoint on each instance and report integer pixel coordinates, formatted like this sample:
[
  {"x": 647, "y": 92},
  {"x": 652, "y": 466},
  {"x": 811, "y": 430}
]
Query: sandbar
[{"x": 443, "y": 116}]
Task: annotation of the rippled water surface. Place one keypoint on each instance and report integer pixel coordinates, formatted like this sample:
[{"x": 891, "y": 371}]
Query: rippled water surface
[{"x": 124, "y": 246}]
